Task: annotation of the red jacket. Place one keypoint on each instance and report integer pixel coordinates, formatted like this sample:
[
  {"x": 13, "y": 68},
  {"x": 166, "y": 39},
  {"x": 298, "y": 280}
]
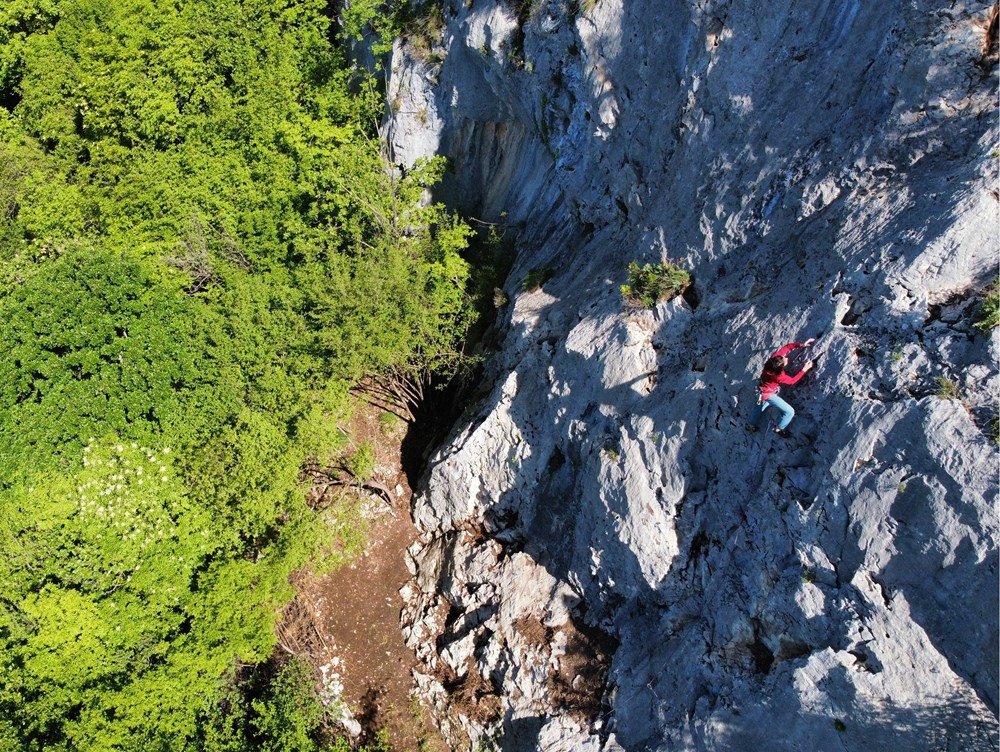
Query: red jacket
[{"x": 770, "y": 382}]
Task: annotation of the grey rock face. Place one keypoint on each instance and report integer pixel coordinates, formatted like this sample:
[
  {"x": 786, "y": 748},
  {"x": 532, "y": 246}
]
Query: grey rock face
[{"x": 609, "y": 560}]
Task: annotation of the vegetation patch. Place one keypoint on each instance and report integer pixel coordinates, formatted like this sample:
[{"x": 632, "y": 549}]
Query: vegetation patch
[
  {"x": 535, "y": 279},
  {"x": 361, "y": 463},
  {"x": 203, "y": 255},
  {"x": 491, "y": 254},
  {"x": 947, "y": 388},
  {"x": 989, "y": 312},
  {"x": 651, "y": 283},
  {"x": 423, "y": 24}
]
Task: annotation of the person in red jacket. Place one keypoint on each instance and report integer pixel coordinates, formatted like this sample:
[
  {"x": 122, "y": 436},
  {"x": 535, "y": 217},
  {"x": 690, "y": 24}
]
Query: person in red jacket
[{"x": 771, "y": 380}]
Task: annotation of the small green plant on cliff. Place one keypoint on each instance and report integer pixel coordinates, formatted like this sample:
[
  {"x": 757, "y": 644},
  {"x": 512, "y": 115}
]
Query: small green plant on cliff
[
  {"x": 535, "y": 279},
  {"x": 490, "y": 742},
  {"x": 947, "y": 388},
  {"x": 649, "y": 284},
  {"x": 425, "y": 29},
  {"x": 989, "y": 312}
]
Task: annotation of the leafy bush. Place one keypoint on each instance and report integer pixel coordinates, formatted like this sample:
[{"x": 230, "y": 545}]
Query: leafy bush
[
  {"x": 271, "y": 707},
  {"x": 649, "y": 284}
]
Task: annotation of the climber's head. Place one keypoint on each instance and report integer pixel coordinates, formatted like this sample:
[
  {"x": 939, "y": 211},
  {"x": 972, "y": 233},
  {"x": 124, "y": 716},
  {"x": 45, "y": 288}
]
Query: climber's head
[{"x": 776, "y": 364}]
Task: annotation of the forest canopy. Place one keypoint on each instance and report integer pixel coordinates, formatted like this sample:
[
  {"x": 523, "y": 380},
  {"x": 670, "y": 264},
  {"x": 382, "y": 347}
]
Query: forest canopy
[{"x": 202, "y": 251}]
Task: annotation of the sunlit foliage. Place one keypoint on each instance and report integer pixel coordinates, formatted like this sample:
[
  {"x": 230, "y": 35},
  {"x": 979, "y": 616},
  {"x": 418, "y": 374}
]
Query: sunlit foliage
[{"x": 201, "y": 251}]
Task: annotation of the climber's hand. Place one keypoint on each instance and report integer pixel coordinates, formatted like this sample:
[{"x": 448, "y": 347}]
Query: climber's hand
[
  {"x": 809, "y": 341},
  {"x": 809, "y": 364}
]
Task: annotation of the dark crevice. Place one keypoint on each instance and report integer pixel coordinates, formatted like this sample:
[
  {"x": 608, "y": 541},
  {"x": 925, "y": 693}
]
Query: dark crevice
[
  {"x": 699, "y": 546},
  {"x": 433, "y": 418},
  {"x": 691, "y": 295},
  {"x": 762, "y": 656},
  {"x": 853, "y": 314},
  {"x": 622, "y": 207}
]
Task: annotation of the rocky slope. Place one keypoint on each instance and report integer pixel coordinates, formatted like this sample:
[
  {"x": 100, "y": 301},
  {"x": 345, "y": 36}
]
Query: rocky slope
[{"x": 608, "y": 560}]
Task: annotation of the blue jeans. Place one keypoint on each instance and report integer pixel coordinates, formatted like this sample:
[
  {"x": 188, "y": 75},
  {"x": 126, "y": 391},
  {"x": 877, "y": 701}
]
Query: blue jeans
[{"x": 787, "y": 411}]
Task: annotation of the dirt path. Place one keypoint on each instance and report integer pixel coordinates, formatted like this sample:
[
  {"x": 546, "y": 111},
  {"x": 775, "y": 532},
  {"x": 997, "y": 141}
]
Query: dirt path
[
  {"x": 361, "y": 625},
  {"x": 355, "y": 612}
]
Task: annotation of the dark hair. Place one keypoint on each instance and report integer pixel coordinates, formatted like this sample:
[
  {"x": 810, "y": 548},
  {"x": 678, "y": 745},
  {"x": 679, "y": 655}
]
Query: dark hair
[{"x": 775, "y": 364}]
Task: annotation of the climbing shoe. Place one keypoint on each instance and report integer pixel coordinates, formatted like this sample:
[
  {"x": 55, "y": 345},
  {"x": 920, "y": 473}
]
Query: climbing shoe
[
  {"x": 752, "y": 429},
  {"x": 783, "y": 433}
]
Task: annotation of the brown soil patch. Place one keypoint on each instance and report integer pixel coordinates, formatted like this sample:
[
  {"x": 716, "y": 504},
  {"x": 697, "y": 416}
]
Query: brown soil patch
[
  {"x": 532, "y": 629},
  {"x": 579, "y": 682},
  {"x": 354, "y": 613}
]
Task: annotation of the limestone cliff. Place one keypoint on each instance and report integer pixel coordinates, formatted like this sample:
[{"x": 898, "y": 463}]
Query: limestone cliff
[{"x": 609, "y": 560}]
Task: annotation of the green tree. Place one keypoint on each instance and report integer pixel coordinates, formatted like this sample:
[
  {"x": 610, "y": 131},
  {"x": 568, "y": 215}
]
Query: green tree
[{"x": 202, "y": 250}]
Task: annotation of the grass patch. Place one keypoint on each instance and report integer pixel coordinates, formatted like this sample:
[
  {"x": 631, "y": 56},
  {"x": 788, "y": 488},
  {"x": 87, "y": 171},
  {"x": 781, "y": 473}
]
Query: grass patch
[
  {"x": 387, "y": 422},
  {"x": 989, "y": 311},
  {"x": 423, "y": 25},
  {"x": 947, "y": 388}
]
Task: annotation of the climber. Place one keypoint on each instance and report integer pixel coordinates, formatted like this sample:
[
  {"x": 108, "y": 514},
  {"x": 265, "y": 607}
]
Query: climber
[{"x": 771, "y": 379}]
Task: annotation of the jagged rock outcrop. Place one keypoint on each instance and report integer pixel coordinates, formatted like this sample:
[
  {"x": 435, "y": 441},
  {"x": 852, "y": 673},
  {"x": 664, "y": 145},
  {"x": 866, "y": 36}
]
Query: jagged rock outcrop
[{"x": 609, "y": 561}]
